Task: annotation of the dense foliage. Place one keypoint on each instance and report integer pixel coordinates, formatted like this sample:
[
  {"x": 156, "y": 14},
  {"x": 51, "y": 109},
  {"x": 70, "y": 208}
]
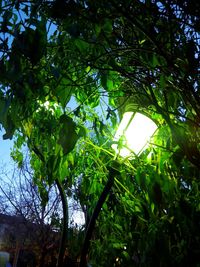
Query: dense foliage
[{"x": 103, "y": 56}]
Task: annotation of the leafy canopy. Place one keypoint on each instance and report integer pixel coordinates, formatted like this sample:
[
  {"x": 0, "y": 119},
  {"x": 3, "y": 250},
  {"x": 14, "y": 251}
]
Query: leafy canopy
[{"x": 144, "y": 53}]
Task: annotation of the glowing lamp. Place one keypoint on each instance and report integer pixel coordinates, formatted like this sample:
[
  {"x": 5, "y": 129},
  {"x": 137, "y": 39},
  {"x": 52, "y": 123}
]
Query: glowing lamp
[{"x": 133, "y": 134}]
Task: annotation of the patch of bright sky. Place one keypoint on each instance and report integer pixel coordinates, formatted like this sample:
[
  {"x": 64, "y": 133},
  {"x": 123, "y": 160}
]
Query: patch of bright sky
[{"x": 5, "y": 149}]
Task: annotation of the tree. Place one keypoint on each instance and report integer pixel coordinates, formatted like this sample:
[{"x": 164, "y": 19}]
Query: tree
[
  {"x": 41, "y": 220},
  {"x": 144, "y": 53},
  {"x": 22, "y": 199}
]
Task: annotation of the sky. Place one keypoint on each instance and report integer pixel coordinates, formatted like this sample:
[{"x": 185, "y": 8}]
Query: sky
[{"x": 5, "y": 148}]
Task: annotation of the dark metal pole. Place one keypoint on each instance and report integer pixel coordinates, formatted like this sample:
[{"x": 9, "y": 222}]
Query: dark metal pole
[{"x": 91, "y": 226}]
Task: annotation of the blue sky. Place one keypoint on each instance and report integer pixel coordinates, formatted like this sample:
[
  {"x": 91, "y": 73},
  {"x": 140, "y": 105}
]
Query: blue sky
[{"x": 5, "y": 148}]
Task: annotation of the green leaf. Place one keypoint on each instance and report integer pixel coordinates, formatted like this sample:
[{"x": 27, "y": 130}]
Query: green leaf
[
  {"x": 107, "y": 27},
  {"x": 155, "y": 61},
  {"x": 70, "y": 159},
  {"x": 67, "y": 135},
  {"x": 104, "y": 80},
  {"x": 97, "y": 28},
  {"x": 118, "y": 245},
  {"x": 142, "y": 41},
  {"x": 31, "y": 43},
  {"x": 82, "y": 132},
  {"x": 3, "y": 110},
  {"x": 109, "y": 84},
  {"x": 107, "y": 80},
  {"x": 141, "y": 178},
  {"x": 81, "y": 45},
  {"x": 10, "y": 128},
  {"x": 17, "y": 156},
  {"x": 162, "y": 81},
  {"x": 126, "y": 255},
  {"x": 19, "y": 141},
  {"x": 112, "y": 102},
  {"x": 118, "y": 227},
  {"x": 63, "y": 95},
  {"x": 64, "y": 170}
]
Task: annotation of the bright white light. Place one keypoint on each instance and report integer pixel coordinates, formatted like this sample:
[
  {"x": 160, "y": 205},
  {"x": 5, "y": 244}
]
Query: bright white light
[
  {"x": 47, "y": 105},
  {"x": 78, "y": 218},
  {"x": 133, "y": 134}
]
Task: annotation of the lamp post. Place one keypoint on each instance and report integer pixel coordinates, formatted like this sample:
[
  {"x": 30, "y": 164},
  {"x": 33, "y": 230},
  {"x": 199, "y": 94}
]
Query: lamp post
[{"x": 134, "y": 132}]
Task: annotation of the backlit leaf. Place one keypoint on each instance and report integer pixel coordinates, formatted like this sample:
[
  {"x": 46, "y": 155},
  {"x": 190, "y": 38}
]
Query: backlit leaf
[{"x": 67, "y": 136}]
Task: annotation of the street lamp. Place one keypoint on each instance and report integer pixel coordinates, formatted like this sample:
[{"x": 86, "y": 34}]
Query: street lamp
[{"x": 133, "y": 134}]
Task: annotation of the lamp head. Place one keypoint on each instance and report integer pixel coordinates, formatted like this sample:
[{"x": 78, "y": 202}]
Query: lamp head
[{"x": 133, "y": 134}]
